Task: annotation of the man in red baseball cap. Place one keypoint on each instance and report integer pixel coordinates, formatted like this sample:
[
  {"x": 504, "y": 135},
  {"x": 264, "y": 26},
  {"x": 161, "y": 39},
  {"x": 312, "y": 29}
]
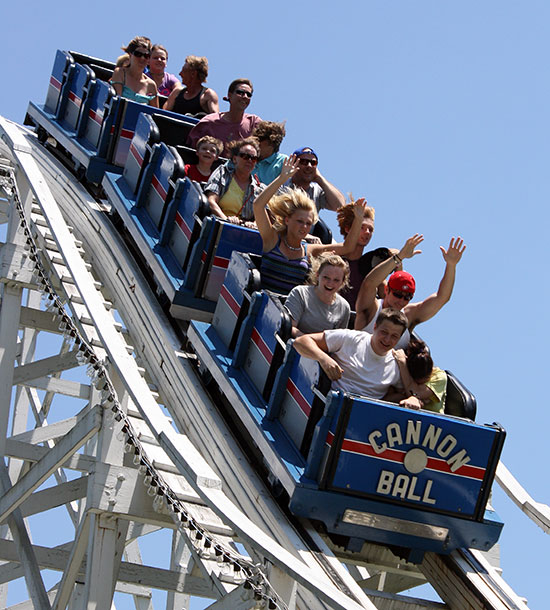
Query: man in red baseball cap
[{"x": 401, "y": 287}]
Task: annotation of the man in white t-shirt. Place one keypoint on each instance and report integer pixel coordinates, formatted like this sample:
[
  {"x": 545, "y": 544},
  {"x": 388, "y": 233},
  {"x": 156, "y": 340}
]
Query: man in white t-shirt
[{"x": 359, "y": 362}]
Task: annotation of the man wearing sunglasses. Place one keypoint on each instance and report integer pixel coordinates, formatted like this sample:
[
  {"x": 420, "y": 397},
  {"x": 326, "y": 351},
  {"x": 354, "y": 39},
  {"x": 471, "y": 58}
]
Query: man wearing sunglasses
[
  {"x": 324, "y": 194},
  {"x": 235, "y": 124},
  {"x": 401, "y": 287},
  {"x": 308, "y": 177}
]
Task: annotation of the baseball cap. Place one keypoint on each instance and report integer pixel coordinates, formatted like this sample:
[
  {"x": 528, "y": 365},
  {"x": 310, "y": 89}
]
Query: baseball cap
[
  {"x": 402, "y": 281},
  {"x": 305, "y": 150}
]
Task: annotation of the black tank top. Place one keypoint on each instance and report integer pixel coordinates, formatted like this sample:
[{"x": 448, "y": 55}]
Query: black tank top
[{"x": 192, "y": 106}]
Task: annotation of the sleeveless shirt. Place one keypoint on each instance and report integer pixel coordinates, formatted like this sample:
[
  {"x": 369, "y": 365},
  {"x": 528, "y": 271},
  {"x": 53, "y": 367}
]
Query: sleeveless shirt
[
  {"x": 279, "y": 273},
  {"x": 192, "y": 106}
]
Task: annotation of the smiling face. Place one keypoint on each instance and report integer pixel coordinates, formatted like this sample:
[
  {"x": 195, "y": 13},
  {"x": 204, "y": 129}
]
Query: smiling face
[
  {"x": 207, "y": 153},
  {"x": 157, "y": 63},
  {"x": 331, "y": 279},
  {"x": 385, "y": 337},
  {"x": 396, "y": 299},
  {"x": 307, "y": 167},
  {"x": 240, "y": 98}
]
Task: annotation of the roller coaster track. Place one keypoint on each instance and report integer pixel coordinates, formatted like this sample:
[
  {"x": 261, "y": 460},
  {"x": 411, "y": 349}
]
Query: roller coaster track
[{"x": 136, "y": 445}]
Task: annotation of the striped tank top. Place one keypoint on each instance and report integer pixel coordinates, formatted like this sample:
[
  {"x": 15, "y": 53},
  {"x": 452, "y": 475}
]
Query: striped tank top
[{"x": 279, "y": 273}]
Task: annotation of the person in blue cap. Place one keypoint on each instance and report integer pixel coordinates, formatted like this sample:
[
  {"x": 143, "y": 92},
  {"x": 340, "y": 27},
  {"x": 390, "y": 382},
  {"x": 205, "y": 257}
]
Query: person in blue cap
[{"x": 308, "y": 177}]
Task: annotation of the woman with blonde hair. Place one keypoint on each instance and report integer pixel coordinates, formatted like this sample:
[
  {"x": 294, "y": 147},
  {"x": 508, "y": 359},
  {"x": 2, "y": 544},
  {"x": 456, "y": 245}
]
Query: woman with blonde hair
[
  {"x": 285, "y": 260},
  {"x": 317, "y": 307},
  {"x": 129, "y": 80}
]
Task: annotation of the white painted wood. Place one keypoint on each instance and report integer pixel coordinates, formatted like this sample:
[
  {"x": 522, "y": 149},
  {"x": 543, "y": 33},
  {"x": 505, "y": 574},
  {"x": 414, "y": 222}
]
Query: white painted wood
[
  {"x": 46, "y": 366},
  {"x": 46, "y": 433},
  {"x": 538, "y": 512},
  {"x": 73, "y": 567},
  {"x": 33, "y": 578},
  {"x": 9, "y": 324},
  {"x": 66, "y": 387},
  {"x": 181, "y": 558},
  {"x": 52, "y": 497},
  {"x": 142, "y": 595},
  {"x": 87, "y": 425}
]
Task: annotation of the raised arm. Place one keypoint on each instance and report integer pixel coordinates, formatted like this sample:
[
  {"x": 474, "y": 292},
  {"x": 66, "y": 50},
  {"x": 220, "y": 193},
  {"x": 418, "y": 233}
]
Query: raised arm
[
  {"x": 348, "y": 245},
  {"x": 333, "y": 196},
  {"x": 366, "y": 298},
  {"x": 268, "y": 233},
  {"x": 315, "y": 347},
  {"x": 426, "y": 309}
]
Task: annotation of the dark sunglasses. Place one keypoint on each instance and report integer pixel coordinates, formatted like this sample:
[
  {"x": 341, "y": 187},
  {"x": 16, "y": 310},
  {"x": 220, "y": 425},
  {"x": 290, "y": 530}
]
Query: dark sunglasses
[
  {"x": 248, "y": 157},
  {"x": 403, "y": 295},
  {"x": 243, "y": 92},
  {"x": 140, "y": 54},
  {"x": 312, "y": 162}
]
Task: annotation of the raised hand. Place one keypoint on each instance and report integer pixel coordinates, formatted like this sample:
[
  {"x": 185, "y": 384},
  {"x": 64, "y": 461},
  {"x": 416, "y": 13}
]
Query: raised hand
[
  {"x": 290, "y": 167},
  {"x": 455, "y": 251},
  {"x": 408, "y": 250},
  {"x": 359, "y": 208}
]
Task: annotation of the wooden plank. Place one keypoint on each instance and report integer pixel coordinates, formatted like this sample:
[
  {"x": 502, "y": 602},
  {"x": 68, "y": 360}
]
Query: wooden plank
[
  {"x": 31, "y": 570},
  {"x": 86, "y": 427},
  {"x": 59, "y": 386},
  {"x": 148, "y": 576},
  {"x": 538, "y": 512},
  {"x": 46, "y": 433},
  {"x": 46, "y": 366}
]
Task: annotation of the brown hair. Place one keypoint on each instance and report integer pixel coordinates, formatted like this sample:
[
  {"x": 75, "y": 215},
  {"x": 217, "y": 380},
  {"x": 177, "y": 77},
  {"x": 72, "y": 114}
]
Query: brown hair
[
  {"x": 394, "y": 316},
  {"x": 210, "y": 140},
  {"x": 272, "y": 132},
  {"x": 159, "y": 47},
  {"x": 419, "y": 360},
  {"x": 235, "y": 146},
  {"x": 138, "y": 41},
  {"x": 237, "y": 82},
  {"x": 326, "y": 259},
  {"x": 345, "y": 216}
]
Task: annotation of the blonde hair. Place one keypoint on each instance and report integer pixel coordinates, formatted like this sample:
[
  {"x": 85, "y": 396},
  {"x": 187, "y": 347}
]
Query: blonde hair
[
  {"x": 326, "y": 259},
  {"x": 345, "y": 216},
  {"x": 200, "y": 64},
  {"x": 286, "y": 203}
]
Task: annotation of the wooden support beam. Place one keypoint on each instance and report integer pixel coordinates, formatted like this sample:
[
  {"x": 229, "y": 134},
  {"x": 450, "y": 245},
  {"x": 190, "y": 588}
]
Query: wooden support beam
[
  {"x": 147, "y": 576},
  {"x": 74, "y": 389},
  {"x": 74, "y": 563},
  {"x": 18, "y": 529},
  {"x": 46, "y": 433},
  {"x": 52, "y": 497},
  {"x": 34, "y": 453},
  {"x": 88, "y": 425},
  {"x": 46, "y": 366}
]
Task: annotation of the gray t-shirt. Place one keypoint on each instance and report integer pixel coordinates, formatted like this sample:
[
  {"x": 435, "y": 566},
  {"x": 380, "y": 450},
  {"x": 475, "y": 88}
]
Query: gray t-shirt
[
  {"x": 314, "y": 192},
  {"x": 314, "y": 316}
]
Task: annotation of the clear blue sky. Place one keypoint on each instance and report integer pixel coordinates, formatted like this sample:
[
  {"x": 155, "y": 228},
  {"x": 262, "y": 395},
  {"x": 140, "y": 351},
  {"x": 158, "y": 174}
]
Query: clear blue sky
[{"x": 437, "y": 113}]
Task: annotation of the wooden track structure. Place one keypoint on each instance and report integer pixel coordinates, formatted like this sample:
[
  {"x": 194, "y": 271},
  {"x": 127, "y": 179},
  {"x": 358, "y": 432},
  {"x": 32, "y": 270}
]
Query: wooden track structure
[{"x": 130, "y": 443}]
